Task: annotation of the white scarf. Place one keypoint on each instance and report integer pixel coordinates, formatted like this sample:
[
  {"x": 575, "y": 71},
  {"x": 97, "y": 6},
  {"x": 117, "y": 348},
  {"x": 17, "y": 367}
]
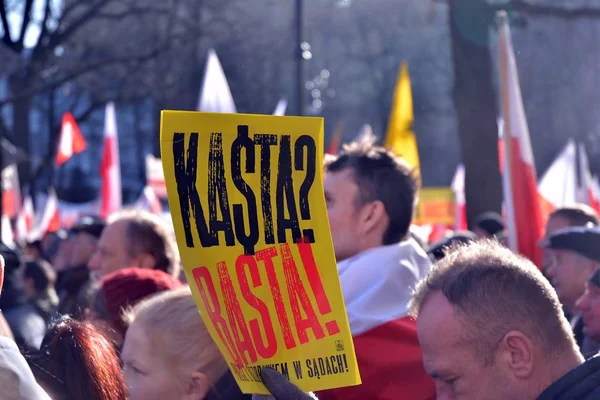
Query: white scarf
[{"x": 377, "y": 283}]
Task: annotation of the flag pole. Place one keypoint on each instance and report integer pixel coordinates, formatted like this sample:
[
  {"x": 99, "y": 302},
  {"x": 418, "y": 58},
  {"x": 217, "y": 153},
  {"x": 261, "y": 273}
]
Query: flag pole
[
  {"x": 505, "y": 121},
  {"x": 299, "y": 59}
]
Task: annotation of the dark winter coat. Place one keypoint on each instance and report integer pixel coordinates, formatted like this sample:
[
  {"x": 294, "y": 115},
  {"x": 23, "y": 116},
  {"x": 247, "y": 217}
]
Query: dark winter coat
[
  {"x": 582, "y": 383},
  {"x": 227, "y": 389}
]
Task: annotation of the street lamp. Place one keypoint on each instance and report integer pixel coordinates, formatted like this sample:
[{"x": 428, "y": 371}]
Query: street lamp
[{"x": 300, "y": 57}]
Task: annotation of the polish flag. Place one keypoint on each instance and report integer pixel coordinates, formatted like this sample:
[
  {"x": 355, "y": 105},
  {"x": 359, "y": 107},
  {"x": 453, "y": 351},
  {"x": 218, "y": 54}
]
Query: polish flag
[
  {"x": 8, "y": 237},
  {"x": 155, "y": 176},
  {"x": 110, "y": 169},
  {"x": 334, "y": 144},
  {"x": 595, "y": 195},
  {"x": 11, "y": 191},
  {"x": 586, "y": 190},
  {"x": 149, "y": 201},
  {"x": 558, "y": 186},
  {"x": 439, "y": 232},
  {"x": 25, "y": 219},
  {"x": 384, "y": 335},
  {"x": 71, "y": 140},
  {"x": 49, "y": 220},
  {"x": 521, "y": 199},
  {"x": 458, "y": 187},
  {"x": 281, "y": 107}
]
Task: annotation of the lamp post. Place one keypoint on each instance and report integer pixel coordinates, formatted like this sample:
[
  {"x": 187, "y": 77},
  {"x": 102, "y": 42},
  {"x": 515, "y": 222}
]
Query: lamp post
[{"x": 299, "y": 58}]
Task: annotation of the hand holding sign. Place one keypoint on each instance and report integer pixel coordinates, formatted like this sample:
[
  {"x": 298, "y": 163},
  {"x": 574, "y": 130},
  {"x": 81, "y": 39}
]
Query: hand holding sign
[
  {"x": 280, "y": 388},
  {"x": 247, "y": 203}
]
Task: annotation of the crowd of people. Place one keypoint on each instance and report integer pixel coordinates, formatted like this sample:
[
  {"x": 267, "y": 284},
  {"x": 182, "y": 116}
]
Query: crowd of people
[{"x": 102, "y": 311}]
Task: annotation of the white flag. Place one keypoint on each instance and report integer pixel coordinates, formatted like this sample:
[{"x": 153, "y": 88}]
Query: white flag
[
  {"x": 281, "y": 107},
  {"x": 155, "y": 176},
  {"x": 558, "y": 185},
  {"x": 215, "y": 95}
]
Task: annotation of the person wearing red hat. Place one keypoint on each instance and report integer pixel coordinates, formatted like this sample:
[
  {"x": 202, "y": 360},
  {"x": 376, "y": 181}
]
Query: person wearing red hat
[{"x": 124, "y": 289}]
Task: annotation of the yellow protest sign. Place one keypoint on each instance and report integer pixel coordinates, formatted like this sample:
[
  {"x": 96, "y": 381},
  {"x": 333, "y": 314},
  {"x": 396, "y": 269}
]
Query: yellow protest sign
[
  {"x": 247, "y": 202},
  {"x": 436, "y": 206}
]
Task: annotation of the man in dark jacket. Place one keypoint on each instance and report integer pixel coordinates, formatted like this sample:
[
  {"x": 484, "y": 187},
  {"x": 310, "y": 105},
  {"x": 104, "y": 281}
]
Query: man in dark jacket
[
  {"x": 505, "y": 335},
  {"x": 73, "y": 282},
  {"x": 576, "y": 256}
]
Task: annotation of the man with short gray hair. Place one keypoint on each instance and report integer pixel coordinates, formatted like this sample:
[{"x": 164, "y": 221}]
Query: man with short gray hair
[
  {"x": 135, "y": 238},
  {"x": 504, "y": 332}
]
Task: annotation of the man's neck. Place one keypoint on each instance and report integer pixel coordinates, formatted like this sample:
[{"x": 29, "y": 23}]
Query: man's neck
[{"x": 559, "y": 367}]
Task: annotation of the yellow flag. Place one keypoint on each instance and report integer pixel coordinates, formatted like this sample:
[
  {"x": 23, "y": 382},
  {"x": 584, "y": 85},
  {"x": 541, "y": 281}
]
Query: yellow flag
[{"x": 400, "y": 136}]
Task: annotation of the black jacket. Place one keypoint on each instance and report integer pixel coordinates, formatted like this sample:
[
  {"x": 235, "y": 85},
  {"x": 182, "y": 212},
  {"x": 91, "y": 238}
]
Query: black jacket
[
  {"x": 582, "y": 383},
  {"x": 73, "y": 287},
  {"x": 227, "y": 389}
]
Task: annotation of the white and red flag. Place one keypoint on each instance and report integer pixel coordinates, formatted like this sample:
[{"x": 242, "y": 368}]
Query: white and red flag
[
  {"x": 25, "y": 219},
  {"x": 11, "y": 191},
  {"x": 587, "y": 194},
  {"x": 49, "y": 220},
  {"x": 558, "y": 185},
  {"x": 595, "y": 187},
  {"x": 110, "y": 169},
  {"x": 385, "y": 336},
  {"x": 155, "y": 176},
  {"x": 149, "y": 201},
  {"x": 521, "y": 200},
  {"x": 460, "y": 203},
  {"x": 71, "y": 141}
]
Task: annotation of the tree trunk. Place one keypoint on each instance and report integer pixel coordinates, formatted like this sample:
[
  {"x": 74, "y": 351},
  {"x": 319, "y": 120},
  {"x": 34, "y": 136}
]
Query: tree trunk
[
  {"x": 475, "y": 102},
  {"x": 21, "y": 129}
]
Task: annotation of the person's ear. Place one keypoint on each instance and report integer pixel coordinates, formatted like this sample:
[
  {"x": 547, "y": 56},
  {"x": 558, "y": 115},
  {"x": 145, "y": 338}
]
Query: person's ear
[
  {"x": 197, "y": 387},
  {"x": 372, "y": 215},
  {"x": 144, "y": 260},
  {"x": 518, "y": 353}
]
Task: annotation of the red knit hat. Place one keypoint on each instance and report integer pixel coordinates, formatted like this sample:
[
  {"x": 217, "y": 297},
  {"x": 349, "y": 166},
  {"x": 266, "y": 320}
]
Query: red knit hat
[{"x": 127, "y": 287}]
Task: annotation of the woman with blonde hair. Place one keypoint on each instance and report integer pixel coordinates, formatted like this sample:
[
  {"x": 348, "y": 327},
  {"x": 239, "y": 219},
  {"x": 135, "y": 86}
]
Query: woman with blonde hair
[{"x": 169, "y": 354}]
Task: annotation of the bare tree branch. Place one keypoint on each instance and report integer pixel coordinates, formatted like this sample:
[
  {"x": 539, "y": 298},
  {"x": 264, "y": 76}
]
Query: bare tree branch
[
  {"x": 6, "y": 36},
  {"x": 554, "y": 11},
  {"x": 25, "y": 25},
  {"x": 79, "y": 72},
  {"x": 137, "y": 11},
  {"x": 44, "y": 29},
  {"x": 61, "y": 35},
  {"x": 528, "y": 7}
]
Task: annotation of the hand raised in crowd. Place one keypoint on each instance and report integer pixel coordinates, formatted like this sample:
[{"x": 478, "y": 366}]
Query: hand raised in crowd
[{"x": 280, "y": 388}]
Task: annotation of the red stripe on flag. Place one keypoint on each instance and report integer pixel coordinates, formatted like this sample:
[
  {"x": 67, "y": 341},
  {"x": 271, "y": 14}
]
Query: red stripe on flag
[
  {"x": 107, "y": 184},
  {"x": 594, "y": 203},
  {"x": 527, "y": 211},
  {"x": 390, "y": 361}
]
